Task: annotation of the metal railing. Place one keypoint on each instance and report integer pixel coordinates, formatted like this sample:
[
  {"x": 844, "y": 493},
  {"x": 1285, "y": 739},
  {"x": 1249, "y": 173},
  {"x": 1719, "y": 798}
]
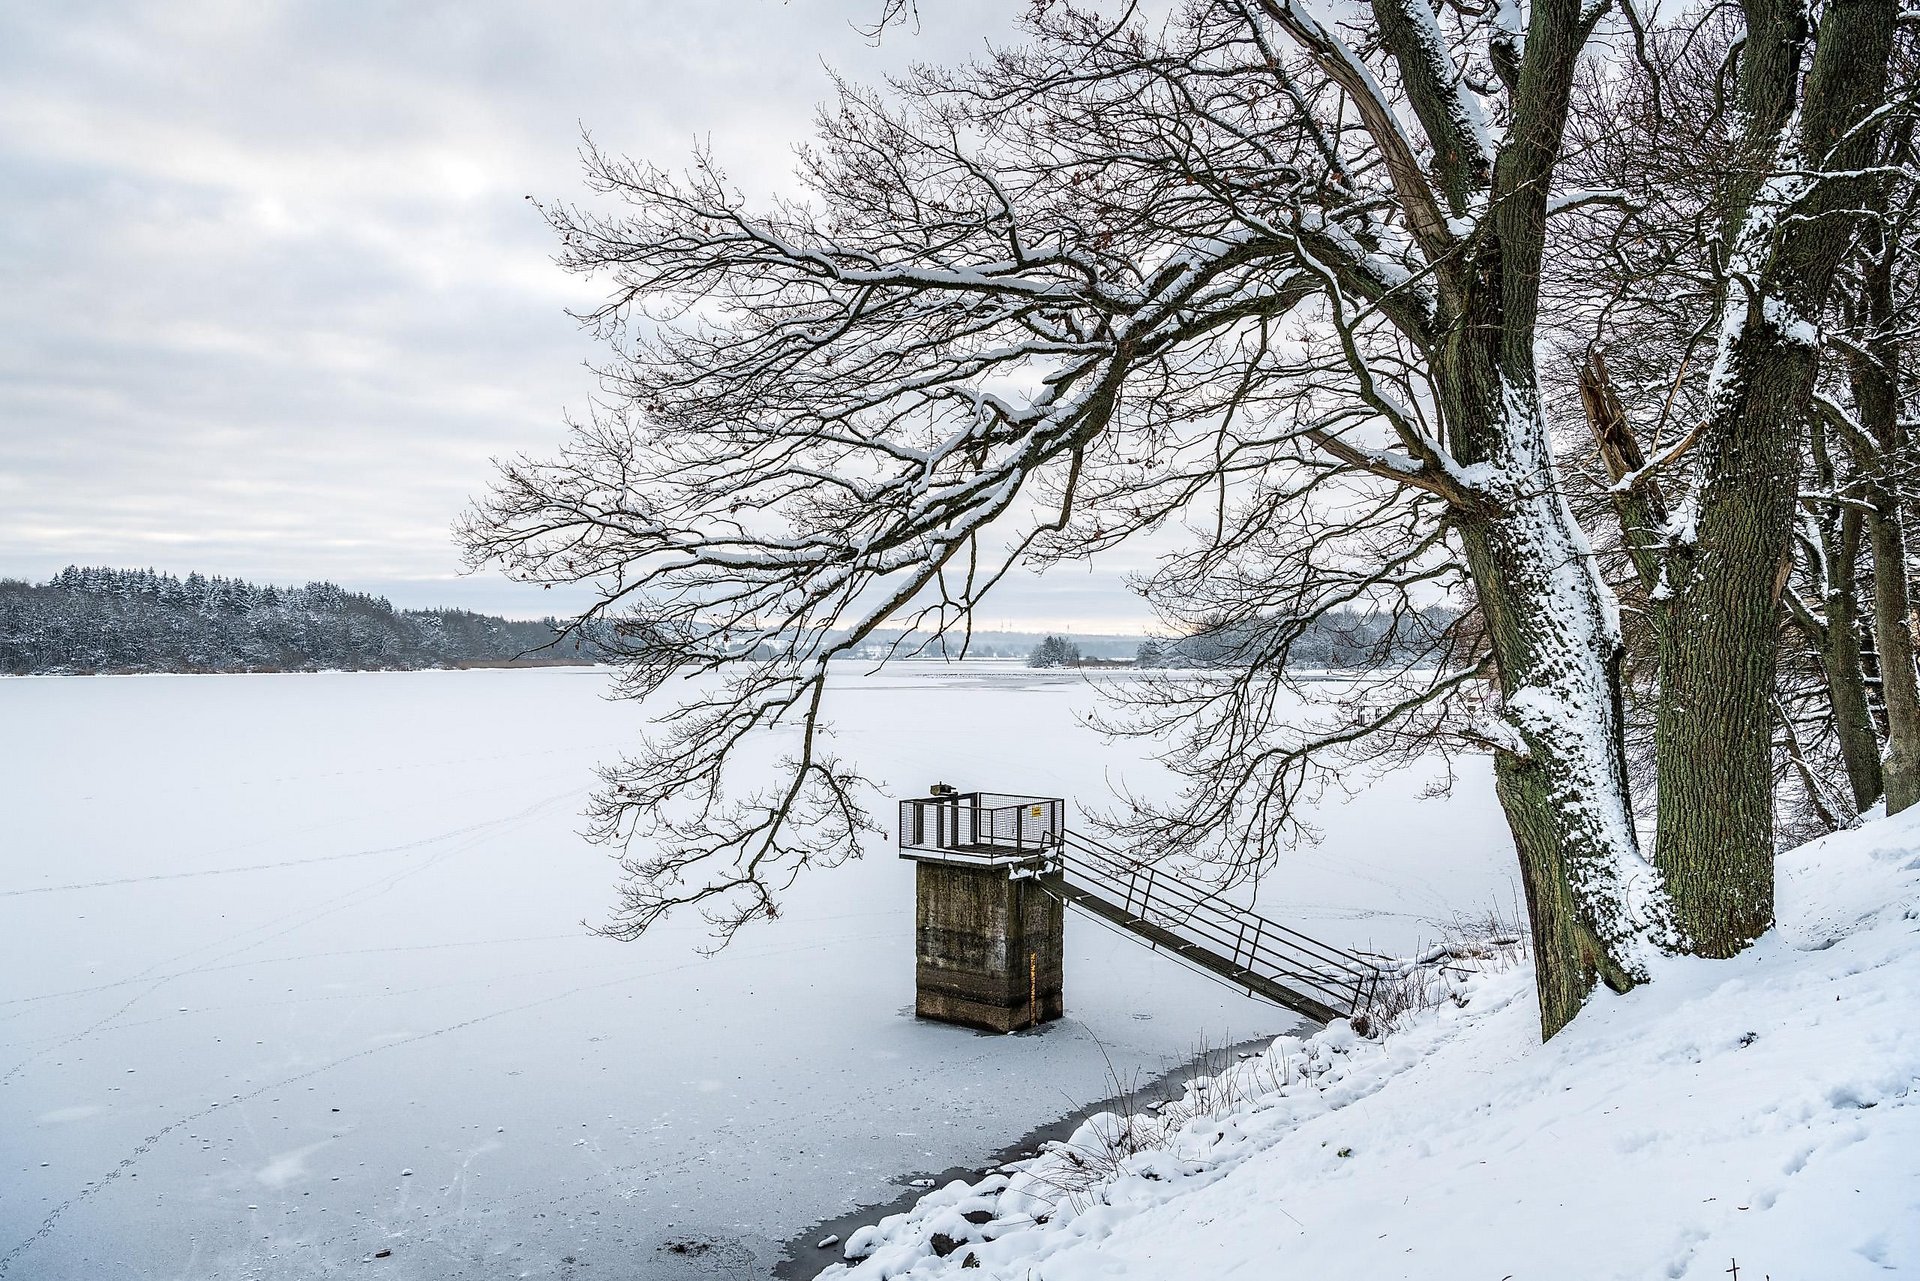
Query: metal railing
[
  {"x": 982, "y": 825},
  {"x": 1238, "y": 939},
  {"x": 1227, "y": 939}
]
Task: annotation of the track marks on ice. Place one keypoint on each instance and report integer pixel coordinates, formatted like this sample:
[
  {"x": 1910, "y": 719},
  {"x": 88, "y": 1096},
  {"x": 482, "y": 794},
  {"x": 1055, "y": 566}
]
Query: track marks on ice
[
  {"x": 94, "y": 1187},
  {"x": 466, "y": 837}
]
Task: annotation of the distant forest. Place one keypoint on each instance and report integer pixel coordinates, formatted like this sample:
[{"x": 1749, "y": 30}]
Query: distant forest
[
  {"x": 114, "y": 620},
  {"x": 1343, "y": 639},
  {"x": 86, "y": 620}
]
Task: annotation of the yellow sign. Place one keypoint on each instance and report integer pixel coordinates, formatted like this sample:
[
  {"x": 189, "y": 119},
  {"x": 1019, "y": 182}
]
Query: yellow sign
[{"x": 1038, "y": 811}]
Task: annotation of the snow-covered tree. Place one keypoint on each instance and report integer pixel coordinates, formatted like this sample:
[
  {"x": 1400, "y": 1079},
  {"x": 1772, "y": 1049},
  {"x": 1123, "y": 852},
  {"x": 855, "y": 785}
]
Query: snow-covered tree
[
  {"x": 1262, "y": 271},
  {"x": 1752, "y": 156},
  {"x": 1054, "y": 651}
]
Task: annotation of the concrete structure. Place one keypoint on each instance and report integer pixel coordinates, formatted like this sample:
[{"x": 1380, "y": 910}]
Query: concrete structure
[
  {"x": 987, "y": 946},
  {"x": 994, "y": 876},
  {"x": 987, "y": 932}
]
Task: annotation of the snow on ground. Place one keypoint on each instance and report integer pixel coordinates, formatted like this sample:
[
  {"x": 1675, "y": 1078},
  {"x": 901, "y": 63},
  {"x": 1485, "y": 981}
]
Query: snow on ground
[
  {"x": 1754, "y": 1117},
  {"x": 292, "y": 972}
]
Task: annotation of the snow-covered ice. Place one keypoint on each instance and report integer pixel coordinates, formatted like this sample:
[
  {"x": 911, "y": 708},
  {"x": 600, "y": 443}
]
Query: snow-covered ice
[
  {"x": 292, "y": 976},
  {"x": 1753, "y": 1117}
]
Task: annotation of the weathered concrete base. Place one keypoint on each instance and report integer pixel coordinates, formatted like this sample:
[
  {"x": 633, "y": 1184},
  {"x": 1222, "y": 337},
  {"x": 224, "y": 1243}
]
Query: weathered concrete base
[{"x": 988, "y": 948}]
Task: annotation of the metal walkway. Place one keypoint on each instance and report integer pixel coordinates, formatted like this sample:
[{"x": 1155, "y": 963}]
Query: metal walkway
[{"x": 1226, "y": 940}]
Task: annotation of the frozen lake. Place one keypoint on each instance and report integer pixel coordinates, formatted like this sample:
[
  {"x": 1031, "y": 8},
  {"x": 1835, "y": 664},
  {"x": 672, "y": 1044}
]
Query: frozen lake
[{"x": 292, "y": 971}]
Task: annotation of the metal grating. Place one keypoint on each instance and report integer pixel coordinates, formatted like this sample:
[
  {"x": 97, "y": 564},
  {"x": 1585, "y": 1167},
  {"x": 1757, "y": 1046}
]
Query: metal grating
[{"x": 982, "y": 826}]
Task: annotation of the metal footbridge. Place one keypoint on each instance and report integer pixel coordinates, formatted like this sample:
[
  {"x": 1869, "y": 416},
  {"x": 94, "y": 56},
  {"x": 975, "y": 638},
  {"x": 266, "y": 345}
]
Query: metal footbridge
[{"x": 1230, "y": 941}]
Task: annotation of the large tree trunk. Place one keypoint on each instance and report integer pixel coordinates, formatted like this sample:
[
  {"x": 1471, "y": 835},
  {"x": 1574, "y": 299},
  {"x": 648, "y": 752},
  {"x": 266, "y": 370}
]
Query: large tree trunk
[
  {"x": 1597, "y": 911},
  {"x": 1595, "y": 904},
  {"x": 1718, "y": 642},
  {"x": 1714, "y": 726},
  {"x": 1593, "y": 901}
]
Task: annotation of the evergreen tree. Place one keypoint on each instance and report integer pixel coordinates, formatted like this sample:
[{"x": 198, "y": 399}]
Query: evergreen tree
[
  {"x": 1054, "y": 651},
  {"x": 93, "y": 619}
]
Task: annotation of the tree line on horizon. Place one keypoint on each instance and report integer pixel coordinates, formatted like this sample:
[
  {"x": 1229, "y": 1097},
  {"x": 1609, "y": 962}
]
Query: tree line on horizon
[
  {"x": 1345, "y": 639},
  {"x": 93, "y": 619}
]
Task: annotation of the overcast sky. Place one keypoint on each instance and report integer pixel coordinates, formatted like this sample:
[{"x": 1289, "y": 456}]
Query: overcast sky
[{"x": 271, "y": 294}]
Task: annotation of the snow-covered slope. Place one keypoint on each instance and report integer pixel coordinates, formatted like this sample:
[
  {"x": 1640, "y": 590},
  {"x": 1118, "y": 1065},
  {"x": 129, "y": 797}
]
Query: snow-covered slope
[{"x": 1756, "y": 1113}]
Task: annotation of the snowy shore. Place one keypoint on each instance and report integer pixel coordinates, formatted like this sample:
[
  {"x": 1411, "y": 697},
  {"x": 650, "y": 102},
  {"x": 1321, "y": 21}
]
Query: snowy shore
[
  {"x": 806, "y": 1254},
  {"x": 1757, "y": 1113}
]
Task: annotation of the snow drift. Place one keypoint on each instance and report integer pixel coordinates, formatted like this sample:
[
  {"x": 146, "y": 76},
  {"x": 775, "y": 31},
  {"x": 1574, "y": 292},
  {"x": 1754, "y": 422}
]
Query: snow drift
[{"x": 1755, "y": 1113}]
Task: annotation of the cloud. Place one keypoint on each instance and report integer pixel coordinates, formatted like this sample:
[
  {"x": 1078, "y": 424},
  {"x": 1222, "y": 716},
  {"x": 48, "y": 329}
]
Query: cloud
[{"x": 275, "y": 295}]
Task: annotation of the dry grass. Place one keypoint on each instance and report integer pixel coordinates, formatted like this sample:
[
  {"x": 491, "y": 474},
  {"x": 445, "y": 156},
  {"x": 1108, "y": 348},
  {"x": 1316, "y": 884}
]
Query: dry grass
[
  {"x": 1221, "y": 1082},
  {"x": 1480, "y": 943},
  {"x": 1218, "y": 1082}
]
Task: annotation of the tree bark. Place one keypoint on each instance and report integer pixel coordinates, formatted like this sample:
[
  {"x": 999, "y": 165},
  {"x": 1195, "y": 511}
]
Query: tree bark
[
  {"x": 1728, "y": 565},
  {"x": 1714, "y": 721},
  {"x": 1893, "y": 638},
  {"x": 1836, "y": 635},
  {"x": 1840, "y": 660},
  {"x": 1595, "y": 905},
  {"x": 1875, "y": 374},
  {"x": 1563, "y": 784}
]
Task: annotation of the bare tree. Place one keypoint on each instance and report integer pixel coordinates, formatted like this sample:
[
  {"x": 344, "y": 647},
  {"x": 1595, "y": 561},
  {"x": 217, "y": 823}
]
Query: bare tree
[
  {"x": 1256, "y": 272},
  {"x": 1870, "y": 405},
  {"x": 1807, "y": 99},
  {"x": 1828, "y": 612},
  {"x": 1743, "y": 148}
]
